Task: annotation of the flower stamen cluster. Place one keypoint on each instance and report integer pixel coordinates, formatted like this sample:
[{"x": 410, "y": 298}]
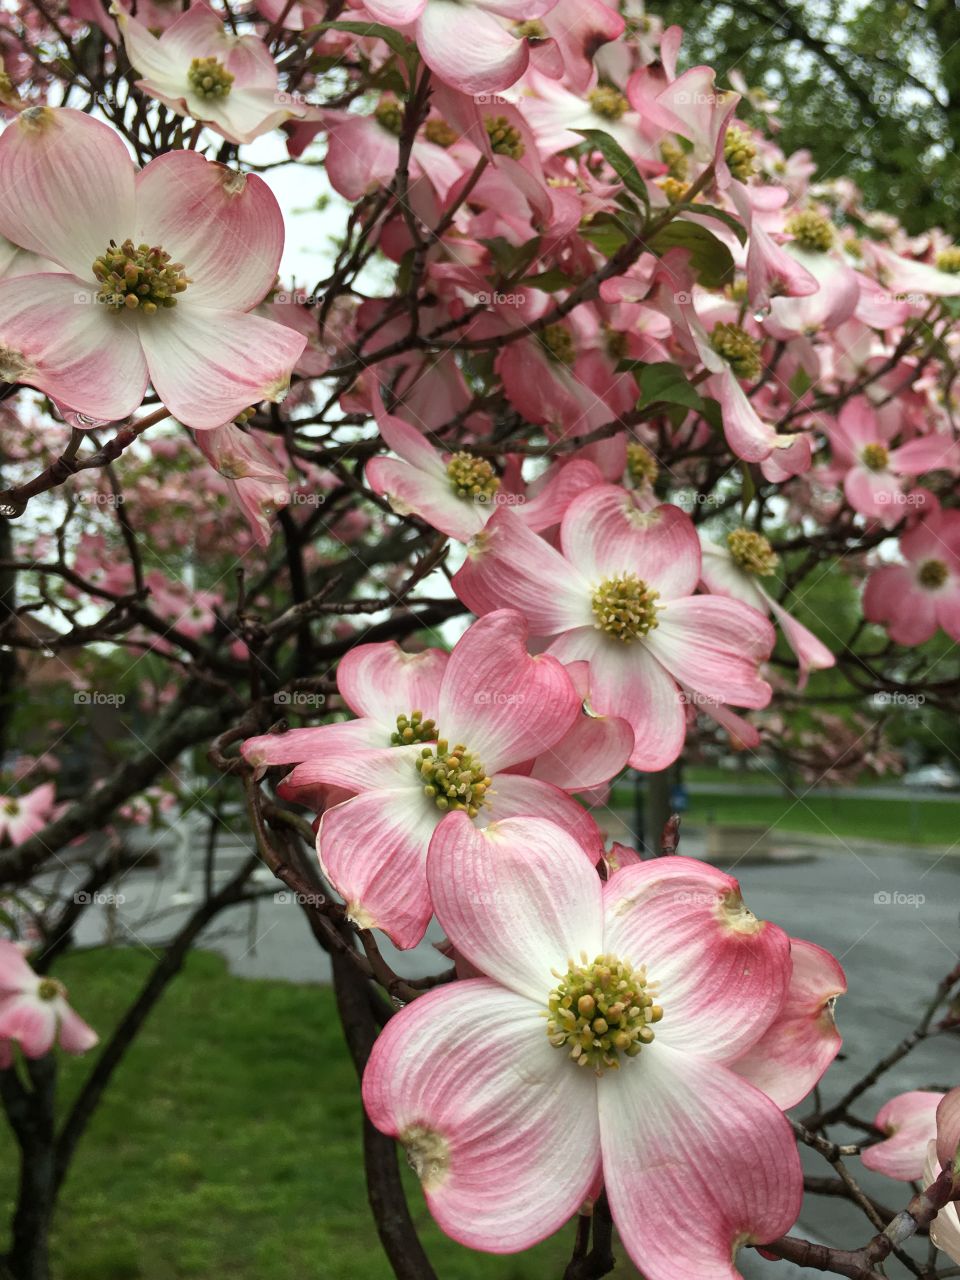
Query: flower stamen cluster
[
  {"x": 505, "y": 138},
  {"x": 209, "y": 78},
  {"x": 389, "y": 115},
  {"x": 558, "y": 343},
  {"x": 811, "y": 231},
  {"x": 741, "y": 352},
  {"x": 641, "y": 464},
  {"x": 752, "y": 552},
  {"x": 413, "y": 728},
  {"x": 603, "y": 1011},
  {"x": 949, "y": 260},
  {"x": 138, "y": 277},
  {"x": 932, "y": 574},
  {"x": 740, "y": 152},
  {"x": 608, "y": 103},
  {"x": 625, "y": 607},
  {"x": 454, "y": 779},
  {"x": 875, "y": 457},
  {"x": 472, "y": 477},
  {"x": 440, "y": 133}
]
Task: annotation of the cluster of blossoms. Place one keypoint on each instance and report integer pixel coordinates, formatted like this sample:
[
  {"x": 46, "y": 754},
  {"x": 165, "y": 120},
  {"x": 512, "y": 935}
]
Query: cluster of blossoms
[{"x": 612, "y": 291}]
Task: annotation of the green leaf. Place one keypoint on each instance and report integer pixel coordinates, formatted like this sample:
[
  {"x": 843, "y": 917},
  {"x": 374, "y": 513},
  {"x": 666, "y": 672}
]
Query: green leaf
[
  {"x": 710, "y": 259},
  {"x": 800, "y": 383},
  {"x": 711, "y": 211},
  {"x": 549, "y": 281},
  {"x": 607, "y": 234},
  {"x": 393, "y": 38},
  {"x": 618, "y": 160},
  {"x": 710, "y": 412},
  {"x": 512, "y": 259},
  {"x": 662, "y": 384}
]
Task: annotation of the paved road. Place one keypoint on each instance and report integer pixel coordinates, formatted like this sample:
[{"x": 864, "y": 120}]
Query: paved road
[{"x": 892, "y": 920}]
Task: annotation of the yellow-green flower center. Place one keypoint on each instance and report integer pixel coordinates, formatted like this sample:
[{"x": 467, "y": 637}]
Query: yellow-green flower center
[
  {"x": 50, "y": 989},
  {"x": 949, "y": 260},
  {"x": 625, "y": 607},
  {"x": 673, "y": 189},
  {"x": 138, "y": 278},
  {"x": 608, "y": 103},
  {"x": 752, "y": 552},
  {"x": 505, "y": 138},
  {"x": 472, "y": 477},
  {"x": 932, "y": 574},
  {"x": 676, "y": 158},
  {"x": 615, "y": 343},
  {"x": 811, "y": 231},
  {"x": 389, "y": 114},
  {"x": 413, "y": 728},
  {"x": 11, "y": 807},
  {"x": 641, "y": 464},
  {"x": 739, "y": 151},
  {"x": 530, "y": 30},
  {"x": 439, "y": 133},
  {"x": 875, "y": 456},
  {"x": 602, "y": 1012},
  {"x": 741, "y": 352},
  {"x": 209, "y": 78},
  {"x": 453, "y": 778},
  {"x": 558, "y": 342}
]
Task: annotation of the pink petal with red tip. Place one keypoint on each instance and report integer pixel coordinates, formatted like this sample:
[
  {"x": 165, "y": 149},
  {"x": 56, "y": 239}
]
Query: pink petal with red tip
[
  {"x": 373, "y": 849},
  {"x": 224, "y": 226},
  {"x": 911, "y": 1120},
  {"x": 508, "y": 564},
  {"x": 684, "y": 1191},
  {"x": 208, "y": 366},
  {"x": 722, "y": 974},
  {"x": 948, "y": 1128},
  {"x": 66, "y": 186},
  {"x": 594, "y": 750},
  {"x": 55, "y": 336},
  {"x": 468, "y": 48},
  {"x": 501, "y": 1128},
  {"x": 604, "y": 534},
  {"x": 380, "y": 680},
  {"x": 519, "y": 899},
  {"x": 502, "y": 704},
  {"x": 803, "y": 1039},
  {"x": 713, "y": 645}
]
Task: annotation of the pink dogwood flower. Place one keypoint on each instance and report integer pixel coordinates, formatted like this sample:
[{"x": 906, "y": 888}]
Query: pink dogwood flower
[
  {"x": 924, "y": 1129},
  {"x": 619, "y": 596},
  {"x": 34, "y": 1011},
  {"x": 873, "y": 470},
  {"x": 159, "y": 271},
  {"x": 466, "y": 44},
  {"x": 596, "y": 1046},
  {"x": 457, "y": 495},
  {"x": 23, "y": 816},
  {"x": 199, "y": 69},
  {"x": 498, "y": 709},
  {"x": 736, "y": 569},
  {"x": 255, "y": 480},
  {"x": 913, "y": 599}
]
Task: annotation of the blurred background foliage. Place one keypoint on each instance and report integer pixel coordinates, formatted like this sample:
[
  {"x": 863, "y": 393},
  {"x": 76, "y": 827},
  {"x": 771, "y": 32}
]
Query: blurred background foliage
[{"x": 870, "y": 88}]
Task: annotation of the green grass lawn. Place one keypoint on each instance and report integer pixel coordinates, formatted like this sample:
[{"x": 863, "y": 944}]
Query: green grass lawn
[
  {"x": 228, "y": 1145},
  {"x": 910, "y": 820}
]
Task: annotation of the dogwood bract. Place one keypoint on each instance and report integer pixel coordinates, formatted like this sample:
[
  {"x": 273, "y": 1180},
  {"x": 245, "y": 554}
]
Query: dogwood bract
[
  {"x": 160, "y": 268},
  {"x": 620, "y": 597},
  {"x": 34, "y": 1011},
  {"x": 596, "y": 1047}
]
